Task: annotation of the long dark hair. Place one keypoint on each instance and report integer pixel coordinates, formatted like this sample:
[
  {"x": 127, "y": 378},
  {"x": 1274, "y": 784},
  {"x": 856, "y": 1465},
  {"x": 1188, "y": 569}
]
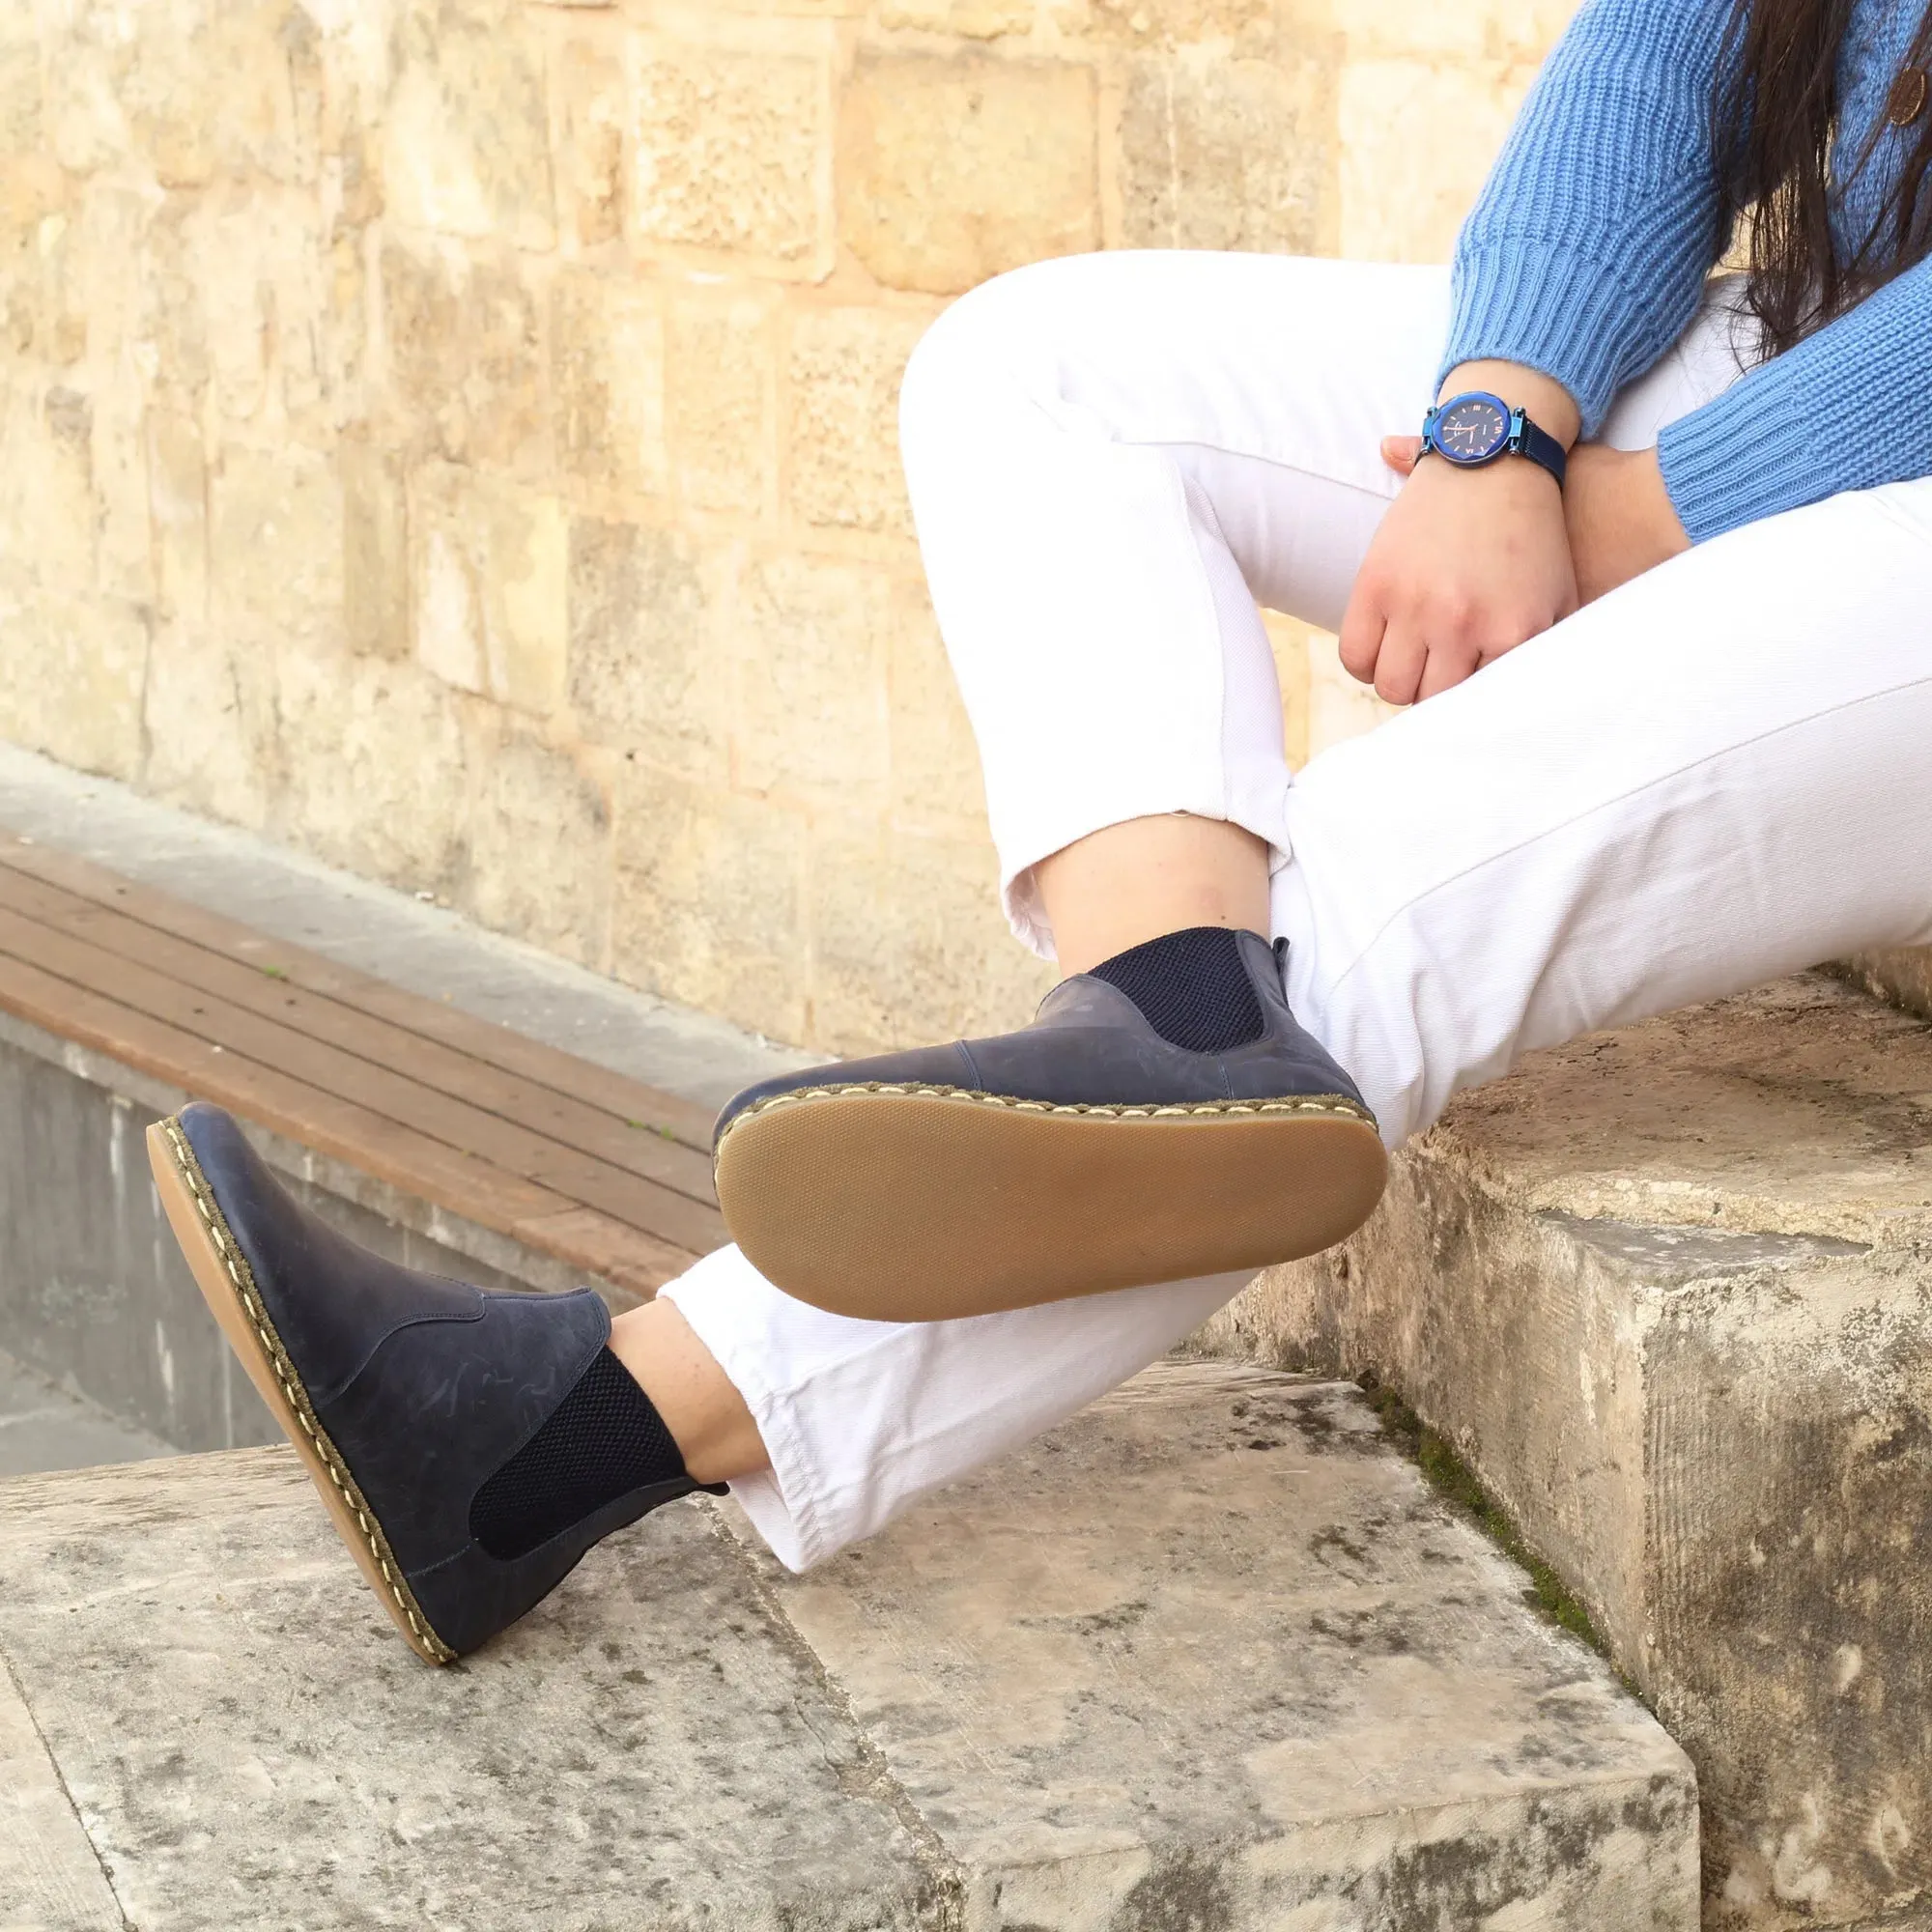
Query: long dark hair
[{"x": 1776, "y": 110}]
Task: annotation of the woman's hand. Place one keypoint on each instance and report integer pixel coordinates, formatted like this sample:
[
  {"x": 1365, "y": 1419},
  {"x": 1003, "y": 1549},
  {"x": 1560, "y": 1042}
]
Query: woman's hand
[{"x": 1468, "y": 563}]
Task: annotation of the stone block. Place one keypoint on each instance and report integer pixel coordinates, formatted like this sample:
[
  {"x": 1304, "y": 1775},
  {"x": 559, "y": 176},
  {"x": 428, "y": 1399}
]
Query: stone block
[
  {"x": 970, "y": 19},
  {"x": 810, "y": 639},
  {"x": 249, "y": 306},
  {"x": 49, "y": 531},
  {"x": 1473, "y": 30},
  {"x": 176, "y": 472},
  {"x": 466, "y": 368},
  {"x": 533, "y": 858},
  {"x": 1226, "y": 154},
  {"x": 295, "y": 1765},
  {"x": 908, "y": 943},
  {"x": 951, "y": 170},
  {"x": 213, "y": 732},
  {"x": 731, "y": 155},
  {"x": 489, "y": 571},
  {"x": 1246, "y": 28},
  {"x": 467, "y": 131},
  {"x": 374, "y": 774},
  {"x": 590, "y": 147},
  {"x": 71, "y": 671},
  {"x": 936, "y": 781},
  {"x": 709, "y": 905},
  {"x": 49, "y": 1874},
  {"x": 842, "y": 417},
  {"x": 1208, "y": 1658},
  {"x": 647, "y": 672},
  {"x": 1416, "y": 141},
  {"x": 1666, "y": 1291},
  {"x": 1900, "y": 974},
  {"x": 607, "y": 382},
  {"x": 275, "y": 543},
  {"x": 721, "y": 356},
  {"x": 375, "y": 548}
]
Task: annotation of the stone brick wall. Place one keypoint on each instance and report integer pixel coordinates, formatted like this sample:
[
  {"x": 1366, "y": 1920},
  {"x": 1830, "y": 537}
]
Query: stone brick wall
[{"x": 456, "y": 436}]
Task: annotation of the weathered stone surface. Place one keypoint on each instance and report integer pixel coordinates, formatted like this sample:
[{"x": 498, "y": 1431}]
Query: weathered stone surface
[
  {"x": 936, "y": 781},
  {"x": 489, "y": 567},
  {"x": 647, "y": 675},
  {"x": 841, "y": 429},
  {"x": 951, "y": 170},
  {"x": 973, "y": 19},
  {"x": 1208, "y": 1655},
  {"x": 250, "y": 1745},
  {"x": 1241, "y": 26},
  {"x": 718, "y": 399},
  {"x": 277, "y": 543},
  {"x": 50, "y": 1880},
  {"x": 1414, "y": 152},
  {"x": 372, "y": 763},
  {"x": 465, "y": 365},
  {"x": 1666, "y": 1289},
  {"x": 710, "y": 899},
  {"x": 71, "y": 670},
  {"x": 590, "y": 155},
  {"x": 730, "y": 154},
  {"x": 374, "y": 550},
  {"x": 1226, "y": 154},
  {"x": 466, "y": 133},
  {"x": 1266, "y": 1682},
  {"x": 808, "y": 701},
  {"x": 534, "y": 856},
  {"x": 1900, "y": 974},
  {"x": 909, "y": 944},
  {"x": 607, "y": 382}
]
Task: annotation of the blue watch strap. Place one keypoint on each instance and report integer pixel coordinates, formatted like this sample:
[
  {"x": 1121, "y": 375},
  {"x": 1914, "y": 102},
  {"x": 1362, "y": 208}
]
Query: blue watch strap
[{"x": 1539, "y": 446}]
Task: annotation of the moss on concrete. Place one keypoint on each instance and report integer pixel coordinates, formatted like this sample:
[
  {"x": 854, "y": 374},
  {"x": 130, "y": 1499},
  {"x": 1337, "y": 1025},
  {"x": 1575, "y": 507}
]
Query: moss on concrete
[{"x": 1456, "y": 1482}]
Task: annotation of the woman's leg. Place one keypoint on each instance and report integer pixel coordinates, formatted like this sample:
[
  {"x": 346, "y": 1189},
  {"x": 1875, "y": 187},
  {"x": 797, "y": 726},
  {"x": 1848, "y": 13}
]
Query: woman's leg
[{"x": 1112, "y": 459}]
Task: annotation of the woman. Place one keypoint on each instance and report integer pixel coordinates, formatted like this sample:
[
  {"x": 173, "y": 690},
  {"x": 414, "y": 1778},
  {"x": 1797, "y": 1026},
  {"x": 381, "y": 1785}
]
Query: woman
[{"x": 1655, "y": 588}]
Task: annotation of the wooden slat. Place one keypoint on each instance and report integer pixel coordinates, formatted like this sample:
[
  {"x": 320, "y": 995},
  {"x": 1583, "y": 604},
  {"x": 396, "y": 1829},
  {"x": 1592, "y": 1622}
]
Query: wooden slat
[
  {"x": 495, "y": 1046},
  {"x": 458, "y": 1125},
  {"x": 340, "y": 1128},
  {"x": 572, "y": 1123}
]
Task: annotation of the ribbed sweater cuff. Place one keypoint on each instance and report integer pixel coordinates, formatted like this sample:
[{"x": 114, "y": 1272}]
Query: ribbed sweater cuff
[
  {"x": 1734, "y": 461},
  {"x": 1548, "y": 307}
]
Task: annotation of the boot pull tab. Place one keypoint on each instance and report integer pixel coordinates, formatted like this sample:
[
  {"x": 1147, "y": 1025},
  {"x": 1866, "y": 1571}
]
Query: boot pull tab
[{"x": 1281, "y": 961}]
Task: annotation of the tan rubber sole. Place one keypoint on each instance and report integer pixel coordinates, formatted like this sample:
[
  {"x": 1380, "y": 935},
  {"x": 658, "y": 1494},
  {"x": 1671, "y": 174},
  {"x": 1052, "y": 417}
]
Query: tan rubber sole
[
  {"x": 922, "y": 1204},
  {"x": 227, "y": 1284}
]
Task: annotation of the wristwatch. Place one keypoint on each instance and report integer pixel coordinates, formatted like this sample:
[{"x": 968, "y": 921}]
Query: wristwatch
[{"x": 1478, "y": 428}]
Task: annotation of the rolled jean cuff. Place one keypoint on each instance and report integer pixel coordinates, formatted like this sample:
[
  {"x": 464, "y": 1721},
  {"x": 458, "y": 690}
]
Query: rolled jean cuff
[
  {"x": 780, "y": 1500},
  {"x": 1255, "y": 799}
]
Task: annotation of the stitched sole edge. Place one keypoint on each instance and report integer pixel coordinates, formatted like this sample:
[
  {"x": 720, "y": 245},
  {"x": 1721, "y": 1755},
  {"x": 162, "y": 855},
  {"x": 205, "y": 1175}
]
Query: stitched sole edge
[
  {"x": 227, "y": 1284},
  {"x": 1313, "y": 1103},
  {"x": 885, "y": 1202}
]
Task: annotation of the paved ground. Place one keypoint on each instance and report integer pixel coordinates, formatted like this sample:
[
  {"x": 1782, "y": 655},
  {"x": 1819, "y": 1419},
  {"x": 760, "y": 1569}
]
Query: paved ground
[{"x": 43, "y": 1427}]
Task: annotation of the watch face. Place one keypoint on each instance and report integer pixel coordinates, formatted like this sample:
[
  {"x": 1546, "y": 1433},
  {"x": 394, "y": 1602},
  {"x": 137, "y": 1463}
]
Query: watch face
[{"x": 1472, "y": 429}]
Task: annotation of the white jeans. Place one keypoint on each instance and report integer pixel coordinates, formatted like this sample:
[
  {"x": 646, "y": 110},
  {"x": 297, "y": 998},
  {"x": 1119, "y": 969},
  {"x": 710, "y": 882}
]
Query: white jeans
[{"x": 1717, "y": 775}]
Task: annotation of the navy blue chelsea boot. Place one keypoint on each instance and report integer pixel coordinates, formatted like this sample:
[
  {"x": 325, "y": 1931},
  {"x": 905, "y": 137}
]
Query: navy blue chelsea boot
[
  {"x": 411, "y": 1398},
  {"x": 1163, "y": 1116}
]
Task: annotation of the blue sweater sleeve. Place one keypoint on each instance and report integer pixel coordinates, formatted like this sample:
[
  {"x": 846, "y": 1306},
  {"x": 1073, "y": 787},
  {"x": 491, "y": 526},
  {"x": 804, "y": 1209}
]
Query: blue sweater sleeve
[
  {"x": 1588, "y": 251},
  {"x": 1849, "y": 408}
]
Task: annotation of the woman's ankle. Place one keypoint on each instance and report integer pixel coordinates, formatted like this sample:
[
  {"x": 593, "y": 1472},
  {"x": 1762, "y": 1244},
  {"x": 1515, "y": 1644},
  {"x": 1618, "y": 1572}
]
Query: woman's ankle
[
  {"x": 1146, "y": 878},
  {"x": 698, "y": 1402}
]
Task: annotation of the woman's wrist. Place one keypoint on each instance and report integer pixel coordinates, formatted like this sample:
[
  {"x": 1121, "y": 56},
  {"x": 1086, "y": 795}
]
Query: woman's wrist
[{"x": 1548, "y": 404}]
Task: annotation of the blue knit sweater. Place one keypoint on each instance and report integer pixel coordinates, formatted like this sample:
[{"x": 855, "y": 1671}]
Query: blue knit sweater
[{"x": 1586, "y": 256}]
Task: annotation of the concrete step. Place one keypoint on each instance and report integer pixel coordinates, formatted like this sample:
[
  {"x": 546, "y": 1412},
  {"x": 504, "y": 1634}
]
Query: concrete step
[
  {"x": 1669, "y": 1292},
  {"x": 1209, "y": 1658}
]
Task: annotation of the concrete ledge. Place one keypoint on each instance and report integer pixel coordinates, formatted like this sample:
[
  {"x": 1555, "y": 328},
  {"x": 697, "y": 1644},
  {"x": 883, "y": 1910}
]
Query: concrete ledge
[
  {"x": 1669, "y": 1292},
  {"x": 1209, "y": 1656}
]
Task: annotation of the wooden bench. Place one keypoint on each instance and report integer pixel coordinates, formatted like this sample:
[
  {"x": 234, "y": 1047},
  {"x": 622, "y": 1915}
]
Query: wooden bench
[{"x": 556, "y": 1155}]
